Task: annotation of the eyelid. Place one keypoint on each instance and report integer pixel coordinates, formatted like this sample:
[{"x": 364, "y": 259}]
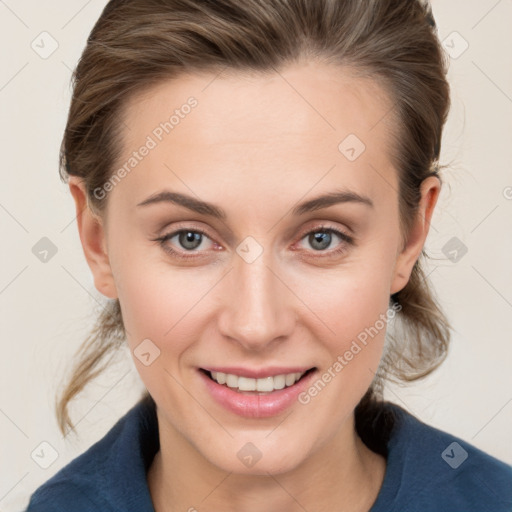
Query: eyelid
[
  {"x": 176, "y": 230},
  {"x": 311, "y": 228},
  {"x": 326, "y": 226},
  {"x": 179, "y": 227}
]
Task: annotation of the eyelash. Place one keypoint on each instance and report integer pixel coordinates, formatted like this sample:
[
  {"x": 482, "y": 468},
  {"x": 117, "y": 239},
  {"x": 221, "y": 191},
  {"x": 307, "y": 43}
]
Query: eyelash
[{"x": 319, "y": 229}]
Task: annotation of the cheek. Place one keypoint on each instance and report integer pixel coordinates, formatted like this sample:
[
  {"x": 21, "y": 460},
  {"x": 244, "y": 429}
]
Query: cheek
[
  {"x": 165, "y": 308},
  {"x": 158, "y": 305},
  {"x": 350, "y": 308},
  {"x": 351, "y": 297},
  {"x": 354, "y": 314},
  {"x": 154, "y": 295}
]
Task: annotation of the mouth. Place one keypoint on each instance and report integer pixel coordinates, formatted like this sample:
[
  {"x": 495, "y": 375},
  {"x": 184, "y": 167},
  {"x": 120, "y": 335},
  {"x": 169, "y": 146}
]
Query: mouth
[{"x": 257, "y": 386}]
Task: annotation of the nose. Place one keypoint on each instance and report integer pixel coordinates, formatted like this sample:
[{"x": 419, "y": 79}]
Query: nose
[{"x": 257, "y": 304}]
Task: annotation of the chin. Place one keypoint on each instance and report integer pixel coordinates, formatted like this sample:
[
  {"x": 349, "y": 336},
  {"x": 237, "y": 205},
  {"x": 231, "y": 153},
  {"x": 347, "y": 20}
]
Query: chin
[{"x": 250, "y": 460}]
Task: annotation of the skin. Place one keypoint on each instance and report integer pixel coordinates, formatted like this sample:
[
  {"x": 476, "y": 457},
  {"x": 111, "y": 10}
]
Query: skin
[{"x": 255, "y": 147}]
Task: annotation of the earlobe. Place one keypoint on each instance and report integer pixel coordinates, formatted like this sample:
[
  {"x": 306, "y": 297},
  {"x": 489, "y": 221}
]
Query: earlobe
[
  {"x": 417, "y": 235},
  {"x": 93, "y": 239}
]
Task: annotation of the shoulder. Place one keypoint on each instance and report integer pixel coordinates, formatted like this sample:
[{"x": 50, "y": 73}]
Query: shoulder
[
  {"x": 66, "y": 495},
  {"x": 79, "y": 484},
  {"x": 429, "y": 469},
  {"x": 108, "y": 474}
]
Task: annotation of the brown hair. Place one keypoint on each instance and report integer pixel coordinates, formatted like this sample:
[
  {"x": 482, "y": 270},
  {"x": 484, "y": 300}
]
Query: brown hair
[{"x": 138, "y": 43}]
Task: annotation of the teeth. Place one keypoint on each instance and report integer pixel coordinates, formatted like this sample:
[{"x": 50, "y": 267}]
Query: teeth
[{"x": 265, "y": 385}]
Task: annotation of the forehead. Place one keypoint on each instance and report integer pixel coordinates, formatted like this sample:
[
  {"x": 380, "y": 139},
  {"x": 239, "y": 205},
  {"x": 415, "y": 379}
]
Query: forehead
[{"x": 288, "y": 128}]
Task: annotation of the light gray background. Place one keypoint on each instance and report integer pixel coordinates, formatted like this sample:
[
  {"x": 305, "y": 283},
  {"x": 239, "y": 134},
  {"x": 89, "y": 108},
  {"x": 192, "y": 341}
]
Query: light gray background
[{"x": 47, "y": 308}]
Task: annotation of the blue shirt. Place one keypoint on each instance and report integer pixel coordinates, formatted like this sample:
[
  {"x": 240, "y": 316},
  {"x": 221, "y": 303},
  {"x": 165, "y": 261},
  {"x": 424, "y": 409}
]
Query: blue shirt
[{"x": 427, "y": 470}]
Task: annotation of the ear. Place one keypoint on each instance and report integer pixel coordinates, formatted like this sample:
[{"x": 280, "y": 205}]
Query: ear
[
  {"x": 430, "y": 188},
  {"x": 93, "y": 238}
]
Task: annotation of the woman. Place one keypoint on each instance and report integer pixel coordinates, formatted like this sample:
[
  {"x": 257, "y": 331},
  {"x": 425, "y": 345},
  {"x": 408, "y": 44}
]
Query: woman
[{"x": 254, "y": 182}]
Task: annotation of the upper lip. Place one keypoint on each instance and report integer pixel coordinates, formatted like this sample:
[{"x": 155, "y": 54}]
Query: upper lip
[{"x": 259, "y": 373}]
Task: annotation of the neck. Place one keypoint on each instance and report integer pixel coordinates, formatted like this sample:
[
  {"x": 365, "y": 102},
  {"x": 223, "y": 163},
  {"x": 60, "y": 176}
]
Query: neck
[{"x": 343, "y": 475}]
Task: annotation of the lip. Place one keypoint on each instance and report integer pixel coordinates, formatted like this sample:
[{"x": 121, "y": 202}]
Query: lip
[
  {"x": 270, "y": 371},
  {"x": 254, "y": 405}
]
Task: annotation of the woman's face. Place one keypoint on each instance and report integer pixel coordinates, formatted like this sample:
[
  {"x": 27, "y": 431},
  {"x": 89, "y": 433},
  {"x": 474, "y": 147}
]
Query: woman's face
[{"x": 267, "y": 281}]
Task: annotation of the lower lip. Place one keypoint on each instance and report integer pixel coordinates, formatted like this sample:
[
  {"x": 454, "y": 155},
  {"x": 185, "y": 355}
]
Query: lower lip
[{"x": 254, "y": 405}]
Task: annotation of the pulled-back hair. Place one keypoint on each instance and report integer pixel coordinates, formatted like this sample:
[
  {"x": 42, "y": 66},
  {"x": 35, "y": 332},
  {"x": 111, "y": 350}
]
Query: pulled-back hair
[{"x": 136, "y": 44}]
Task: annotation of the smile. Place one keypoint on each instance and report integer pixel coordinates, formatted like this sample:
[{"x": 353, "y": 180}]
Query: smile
[
  {"x": 265, "y": 384},
  {"x": 255, "y": 397}
]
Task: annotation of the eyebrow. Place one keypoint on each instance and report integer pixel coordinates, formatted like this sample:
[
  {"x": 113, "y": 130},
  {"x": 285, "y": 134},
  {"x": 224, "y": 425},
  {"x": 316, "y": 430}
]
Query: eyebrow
[{"x": 205, "y": 208}]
